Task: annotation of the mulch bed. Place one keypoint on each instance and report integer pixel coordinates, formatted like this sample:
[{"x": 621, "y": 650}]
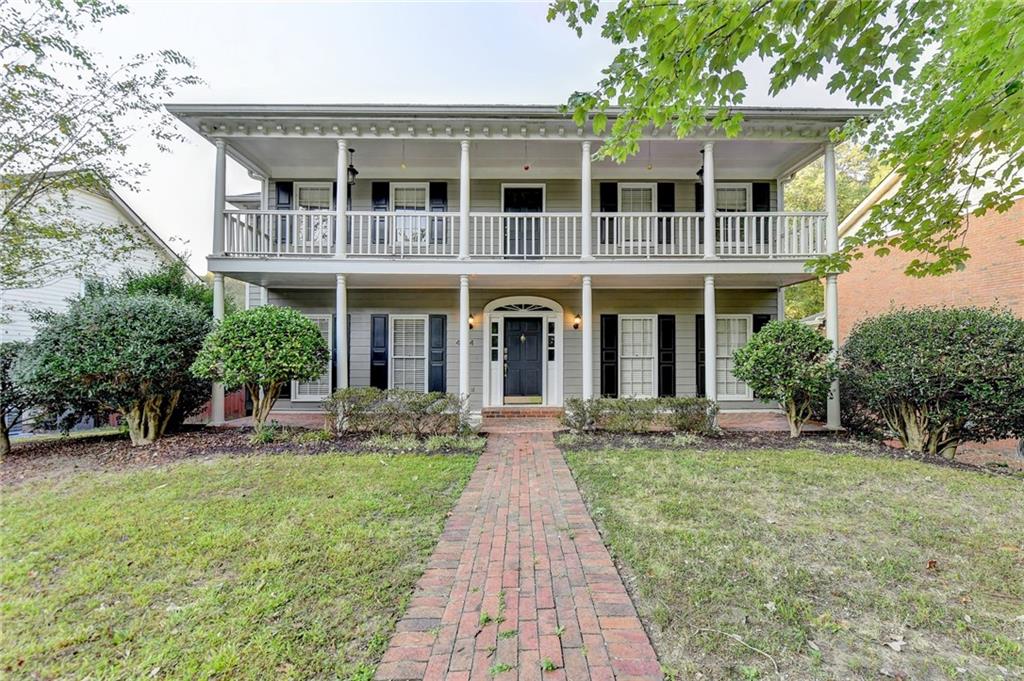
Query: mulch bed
[
  {"x": 827, "y": 443},
  {"x": 62, "y": 457}
]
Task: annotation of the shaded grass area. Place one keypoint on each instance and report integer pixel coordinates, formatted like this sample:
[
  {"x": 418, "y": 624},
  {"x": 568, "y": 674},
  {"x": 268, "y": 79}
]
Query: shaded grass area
[
  {"x": 827, "y": 566},
  {"x": 263, "y": 567}
]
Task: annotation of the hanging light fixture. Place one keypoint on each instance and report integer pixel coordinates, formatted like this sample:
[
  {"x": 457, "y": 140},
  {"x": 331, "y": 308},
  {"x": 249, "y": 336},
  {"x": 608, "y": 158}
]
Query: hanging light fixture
[
  {"x": 700, "y": 171},
  {"x": 403, "y": 156},
  {"x": 352, "y": 172},
  {"x": 526, "y": 157},
  {"x": 650, "y": 162}
]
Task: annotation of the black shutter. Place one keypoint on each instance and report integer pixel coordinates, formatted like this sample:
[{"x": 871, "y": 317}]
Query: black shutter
[
  {"x": 760, "y": 320},
  {"x": 698, "y": 207},
  {"x": 438, "y": 199},
  {"x": 701, "y": 387},
  {"x": 284, "y": 195},
  {"x": 348, "y": 348},
  {"x": 666, "y": 204},
  {"x": 379, "y": 351},
  {"x": 380, "y": 199},
  {"x": 436, "y": 381},
  {"x": 666, "y": 355},
  {"x": 761, "y": 200},
  {"x": 609, "y": 355},
  {"x": 334, "y": 196},
  {"x": 607, "y": 202}
]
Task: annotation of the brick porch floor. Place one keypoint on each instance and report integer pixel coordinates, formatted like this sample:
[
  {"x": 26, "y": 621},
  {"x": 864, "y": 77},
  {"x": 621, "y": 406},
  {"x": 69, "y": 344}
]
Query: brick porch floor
[{"x": 521, "y": 549}]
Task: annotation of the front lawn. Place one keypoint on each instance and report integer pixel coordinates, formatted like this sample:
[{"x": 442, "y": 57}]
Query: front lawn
[
  {"x": 828, "y": 566},
  {"x": 259, "y": 567}
]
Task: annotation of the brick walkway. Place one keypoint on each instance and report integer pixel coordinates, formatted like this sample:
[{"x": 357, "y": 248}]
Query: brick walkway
[{"x": 520, "y": 577}]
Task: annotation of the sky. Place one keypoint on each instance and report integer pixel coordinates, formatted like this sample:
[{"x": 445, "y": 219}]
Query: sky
[{"x": 351, "y": 52}]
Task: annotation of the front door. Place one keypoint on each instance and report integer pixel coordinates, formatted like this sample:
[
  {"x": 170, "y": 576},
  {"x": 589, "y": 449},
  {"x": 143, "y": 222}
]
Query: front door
[
  {"x": 523, "y": 233},
  {"x": 524, "y": 369}
]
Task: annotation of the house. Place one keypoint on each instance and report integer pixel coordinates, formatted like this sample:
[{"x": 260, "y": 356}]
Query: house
[
  {"x": 994, "y": 275},
  {"x": 484, "y": 250},
  {"x": 96, "y": 208}
]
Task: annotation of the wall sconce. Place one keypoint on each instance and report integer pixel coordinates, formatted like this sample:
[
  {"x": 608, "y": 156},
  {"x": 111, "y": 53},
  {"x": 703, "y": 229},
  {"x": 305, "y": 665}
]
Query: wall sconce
[
  {"x": 471, "y": 322},
  {"x": 576, "y": 323}
]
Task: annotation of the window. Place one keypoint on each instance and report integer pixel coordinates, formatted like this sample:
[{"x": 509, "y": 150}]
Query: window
[
  {"x": 409, "y": 196},
  {"x": 313, "y": 196},
  {"x": 320, "y": 388},
  {"x": 636, "y": 355},
  {"x": 636, "y": 198},
  {"x": 733, "y": 198},
  {"x": 731, "y": 333},
  {"x": 409, "y": 352}
]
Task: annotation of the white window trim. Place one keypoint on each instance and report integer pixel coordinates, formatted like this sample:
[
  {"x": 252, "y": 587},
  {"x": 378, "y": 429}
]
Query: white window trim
[
  {"x": 330, "y": 361},
  {"x": 653, "y": 186},
  {"x": 296, "y": 186},
  {"x": 748, "y": 186},
  {"x": 526, "y": 185},
  {"x": 426, "y": 347},
  {"x": 749, "y": 395},
  {"x": 654, "y": 352},
  {"x": 425, "y": 186}
]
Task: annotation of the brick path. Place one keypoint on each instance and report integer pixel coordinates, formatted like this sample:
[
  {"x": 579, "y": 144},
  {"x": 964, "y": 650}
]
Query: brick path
[{"x": 521, "y": 550}]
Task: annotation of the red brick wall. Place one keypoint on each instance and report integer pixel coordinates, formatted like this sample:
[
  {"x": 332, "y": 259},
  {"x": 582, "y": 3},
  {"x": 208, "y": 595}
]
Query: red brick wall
[{"x": 994, "y": 275}]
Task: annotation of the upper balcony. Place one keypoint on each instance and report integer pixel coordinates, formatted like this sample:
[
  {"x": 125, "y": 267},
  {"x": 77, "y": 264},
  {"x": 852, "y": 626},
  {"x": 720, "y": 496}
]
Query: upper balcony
[{"x": 508, "y": 184}]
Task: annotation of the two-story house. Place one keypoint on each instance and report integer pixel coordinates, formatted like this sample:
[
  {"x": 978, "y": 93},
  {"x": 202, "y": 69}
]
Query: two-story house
[{"x": 482, "y": 250}]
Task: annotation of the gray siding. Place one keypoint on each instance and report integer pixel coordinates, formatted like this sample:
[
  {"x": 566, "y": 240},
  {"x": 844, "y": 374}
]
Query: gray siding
[{"x": 684, "y": 303}]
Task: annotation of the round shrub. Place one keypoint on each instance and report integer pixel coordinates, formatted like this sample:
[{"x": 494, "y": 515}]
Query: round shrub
[
  {"x": 789, "y": 363},
  {"x": 262, "y": 349},
  {"x": 122, "y": 353},
  {"x": 939, "y": 377}
]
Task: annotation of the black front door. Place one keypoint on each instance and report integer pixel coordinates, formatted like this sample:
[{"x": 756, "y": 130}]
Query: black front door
[
  {"x": 524, "y": 371},
  {"x": 523, "y": 233}
]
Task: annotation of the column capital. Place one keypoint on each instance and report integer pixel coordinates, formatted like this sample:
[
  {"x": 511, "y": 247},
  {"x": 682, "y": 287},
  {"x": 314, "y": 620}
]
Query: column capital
[
  {"x": 220, "y": 143},
  {"x": 586, "y": 145},
  {"x": 217, "y": 276},
  {"x": 463, "y": 280},
  {"x": 339, "y": 278},
  {"x": 586, "y": 280},
  {"x": 709, "y": 145},
  {"x": 342, "y": 144},
  {"x": 464, "y": 144},
  {"x": 709, "y": 279}
]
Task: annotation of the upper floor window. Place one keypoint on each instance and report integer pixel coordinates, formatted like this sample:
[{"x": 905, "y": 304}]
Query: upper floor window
[
  {"x": 733, "y": 198},
  {"x": 313, "y": 196},
  {"x": 636, "y": 198},
  {"x": 410, "y": 196}
]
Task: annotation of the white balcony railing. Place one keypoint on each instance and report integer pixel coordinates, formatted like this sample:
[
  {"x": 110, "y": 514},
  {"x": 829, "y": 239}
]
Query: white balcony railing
[
  {"x": 529, "y": 236},
  {"x": 378, "y": 234},
  {"x": 525, "y": 235}
]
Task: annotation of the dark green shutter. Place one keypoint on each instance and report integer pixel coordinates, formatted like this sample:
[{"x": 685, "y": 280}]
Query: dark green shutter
[
  {"x": 760, "y": 320},
  {"x": 436, "y": 373},
  {"x": 761, "y": 202},
  {"x": 284, "y": 192},
  {"x": 607, "y": 202},
  {"x": 380, "y": 199},
  {"x": 666, "y": 204},
  {"x": 438, "y": 199},
  {"x": 609, "y": 355},
  {"x": 379, "y": 351},
  {"x": 666, "y": 355},
  {"x": 701, "y": 386}
]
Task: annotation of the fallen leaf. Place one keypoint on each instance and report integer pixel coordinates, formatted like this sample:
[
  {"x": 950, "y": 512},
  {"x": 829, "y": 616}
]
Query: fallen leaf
[{"x": 897, "y": 644}]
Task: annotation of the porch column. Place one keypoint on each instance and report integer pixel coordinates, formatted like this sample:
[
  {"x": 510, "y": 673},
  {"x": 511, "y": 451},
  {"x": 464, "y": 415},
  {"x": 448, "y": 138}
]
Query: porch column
[
  {"x": 709, "y": 200},
  {"x": 341, "y": 201},
  {"x": 780, "y": 303},
  {"x": 587, "y": 324},
  {"x": 219, "y": 172},
  {"x": 464, "y": 201},
  {"x": 780, "y": 194},
  {"x": 217, "y": 394},
  {"x": 831, "y": 280},
  {"x": 341, "y": 331},
  {"x": 464, "y": 337},
  {"x": 586, "y": 247},
  {"x": 710, "y": 340}
]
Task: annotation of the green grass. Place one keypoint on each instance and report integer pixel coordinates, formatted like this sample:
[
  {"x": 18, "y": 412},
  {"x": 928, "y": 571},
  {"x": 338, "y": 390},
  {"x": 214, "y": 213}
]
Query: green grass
[
  {"x": 254, "y": 568},
  {"x": 820, "y": 562}
]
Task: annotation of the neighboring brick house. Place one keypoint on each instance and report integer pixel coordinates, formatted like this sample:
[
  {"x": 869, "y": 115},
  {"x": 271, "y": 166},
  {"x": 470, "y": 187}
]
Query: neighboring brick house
[{"x": 994, "y": 274}]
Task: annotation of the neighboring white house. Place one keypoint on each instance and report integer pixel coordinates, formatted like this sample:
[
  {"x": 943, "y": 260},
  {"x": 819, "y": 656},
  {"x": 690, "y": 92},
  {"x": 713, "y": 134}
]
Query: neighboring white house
[
  {"x": 485, "y": 252},
  {"x": 89, "y": 207}
]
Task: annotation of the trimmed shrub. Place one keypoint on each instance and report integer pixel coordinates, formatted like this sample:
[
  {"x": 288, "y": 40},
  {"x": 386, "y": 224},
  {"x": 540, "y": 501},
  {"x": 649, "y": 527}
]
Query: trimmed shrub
[
  {"x": 580, "y": 416},
  {"x": 696, "y": 415},
  {"x": 641, "y": 415},
  {"x": 262, "y": 349},
  {"x": 789, "y": 363},
  {"x": 628, "y": 415},
  {"x": 394, "y": 411},
  {"x": 123, "y": 353},
  {"x": 939, "y": 377},
  {"x": 13, "y": 400}
]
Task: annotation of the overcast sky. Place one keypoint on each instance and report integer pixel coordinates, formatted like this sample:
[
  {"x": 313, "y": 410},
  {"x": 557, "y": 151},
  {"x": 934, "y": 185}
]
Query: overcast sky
[{"x": 335, "y": 52}]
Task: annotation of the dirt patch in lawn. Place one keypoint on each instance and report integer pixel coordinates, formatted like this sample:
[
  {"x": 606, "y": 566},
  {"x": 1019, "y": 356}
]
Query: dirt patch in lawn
[
  {"x": 826, "y": 443},
  {"x": 65, "y": 456}
]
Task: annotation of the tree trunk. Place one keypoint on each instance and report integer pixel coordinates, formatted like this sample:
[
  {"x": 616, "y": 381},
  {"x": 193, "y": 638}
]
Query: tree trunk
[
  {"x": 263, "y": 400},
  {"x": 793, "y": 416},
  {"x": 5, "y": 441},
  {"x": 148, "y": 419}
]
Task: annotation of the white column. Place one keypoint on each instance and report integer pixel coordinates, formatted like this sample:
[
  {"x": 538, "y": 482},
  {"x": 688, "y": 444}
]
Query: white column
[
  {"x": 780, "y": 194},
  {"x": 586, "y": 246},
  {"x": 780, "y": 302},
  {"x": 464, "y": 201},
  {"x": 341, "y": 202},
  {"x": 264, "y": 193},
  {"x": 587, "y": 325},
  {"x": 341, "y": 331},
  {"x": 709, "y": 200},
  {"x": 710, "y": 340},
  {"x": 464, "y": 337},
  {"x": 833, "y": 420},
  {"x": 218, "y": 197},
  {"x": 217, "y": 394}
]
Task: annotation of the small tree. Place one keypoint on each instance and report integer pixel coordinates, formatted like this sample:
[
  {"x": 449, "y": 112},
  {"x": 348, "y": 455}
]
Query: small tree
[
  {"x": 13, "y": 400},
  {"x": 120, "y": 353},
  {"x": 789, "y": 363},
  {"x": 262, "y": 349},
  {"x": 939, "y": 377}
]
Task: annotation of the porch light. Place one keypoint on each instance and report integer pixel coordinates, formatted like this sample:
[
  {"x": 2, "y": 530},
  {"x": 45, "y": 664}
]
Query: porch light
[
  {"x": 700, "y": 171},
  {"x": 576, "y": 323},
  {"x": 352, "y": 172},
  {"x": 472, "y": 324}
]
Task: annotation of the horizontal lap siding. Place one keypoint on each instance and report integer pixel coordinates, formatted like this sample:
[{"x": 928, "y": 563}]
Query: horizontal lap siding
[{"x": 685, "y": 304}]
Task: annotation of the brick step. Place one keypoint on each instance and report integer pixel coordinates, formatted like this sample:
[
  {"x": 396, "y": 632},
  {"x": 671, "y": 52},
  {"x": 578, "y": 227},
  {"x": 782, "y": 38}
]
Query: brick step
[{"x": 521, "y": 412}]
